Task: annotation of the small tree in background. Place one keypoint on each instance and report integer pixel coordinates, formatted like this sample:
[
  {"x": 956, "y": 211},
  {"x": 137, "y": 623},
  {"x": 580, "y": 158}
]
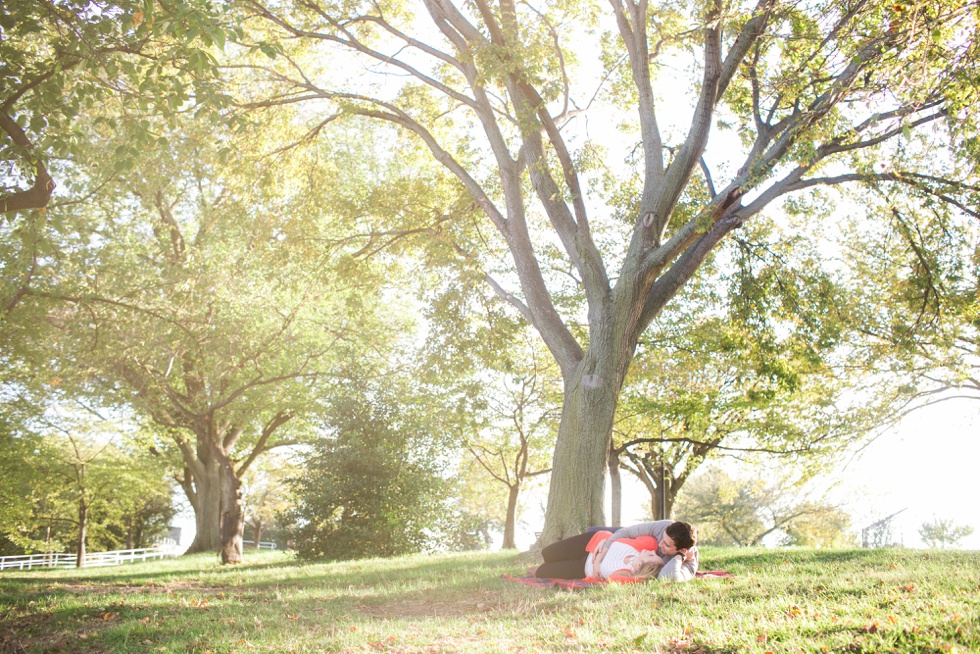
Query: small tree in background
[
  {"x": 825, "y": 526},
  {"x": 733, "y": 511},
  {"x": 512, "y": 445},
  {"x": 267, "y": 497},
  {"x": 374, "y": 485},
  {"x": 942, "y": 532},
  {"x": 91, "y": 489}
]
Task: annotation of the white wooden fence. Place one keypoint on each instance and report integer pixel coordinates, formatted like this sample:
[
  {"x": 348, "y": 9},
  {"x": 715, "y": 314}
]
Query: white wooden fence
[
  {"x": 92, "y": 560},
  {"x": 263, "y": 544}
]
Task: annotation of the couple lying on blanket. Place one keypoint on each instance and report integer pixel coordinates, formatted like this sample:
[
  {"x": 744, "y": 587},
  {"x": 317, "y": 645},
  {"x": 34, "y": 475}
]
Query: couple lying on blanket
[{"x": 663, "y": 549}]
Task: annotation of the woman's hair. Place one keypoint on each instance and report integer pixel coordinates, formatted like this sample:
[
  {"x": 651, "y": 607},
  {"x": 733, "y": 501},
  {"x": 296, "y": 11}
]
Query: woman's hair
[{"x": 648, "y": 569}]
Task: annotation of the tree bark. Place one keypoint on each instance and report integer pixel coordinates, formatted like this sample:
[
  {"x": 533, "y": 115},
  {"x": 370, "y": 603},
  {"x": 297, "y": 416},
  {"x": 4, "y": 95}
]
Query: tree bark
[
  {"x": 217, "y": 501},
  {"x": 232, "y": 524},
  {"x": 129, "y": 533},
  {"x": 576, "y": 494},
  {"x": 82, "y": 527},
  {"x": 257, "y": 533},
  {"x": 615, "y": 489},
  {"x": 207, "y": 509},
  {"x": 510, "y": 524}
]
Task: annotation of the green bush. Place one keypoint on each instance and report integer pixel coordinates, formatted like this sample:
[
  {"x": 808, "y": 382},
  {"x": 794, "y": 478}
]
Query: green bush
[{"x": 373, "y": 487}]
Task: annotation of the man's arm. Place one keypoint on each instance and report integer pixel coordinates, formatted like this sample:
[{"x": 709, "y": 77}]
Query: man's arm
[
  {"x": 655, "y": 529},
  {"x": 679, "y": 568}
]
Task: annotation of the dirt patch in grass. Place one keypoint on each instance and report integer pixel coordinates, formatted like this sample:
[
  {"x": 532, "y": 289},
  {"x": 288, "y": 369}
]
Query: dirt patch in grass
[{"x": 144, "y": 588}]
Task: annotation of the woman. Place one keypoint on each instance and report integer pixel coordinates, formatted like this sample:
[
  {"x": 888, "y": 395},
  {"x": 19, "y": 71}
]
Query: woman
[{"x": 624, "y": 561}]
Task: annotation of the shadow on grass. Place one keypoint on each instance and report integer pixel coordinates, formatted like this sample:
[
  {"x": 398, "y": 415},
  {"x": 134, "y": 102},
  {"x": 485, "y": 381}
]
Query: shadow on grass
[
  {"x": 319, "y": 604},
  {"x": 386, "y": 576}
]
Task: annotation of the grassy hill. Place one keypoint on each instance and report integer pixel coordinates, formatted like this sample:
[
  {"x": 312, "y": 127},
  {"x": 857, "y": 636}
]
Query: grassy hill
[{"x": 797, "y": 600}]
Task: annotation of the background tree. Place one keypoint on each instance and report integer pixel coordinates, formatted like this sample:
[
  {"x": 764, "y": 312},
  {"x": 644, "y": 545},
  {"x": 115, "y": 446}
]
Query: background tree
[
  {"x": 19, "y": 449},
  {"x": 732, "y": 511},
  {"x": 373, "y": 484},
  {"x": 89, "y": 488},
  {"x": 826, "y": 526},
  {"x": 943, "y": 532},
  {"x": 819, "y": 94},
  {"x": 266, "y": 495},
  {"x": 512, "y": 442},
  {"x": 195, "y": 295}
]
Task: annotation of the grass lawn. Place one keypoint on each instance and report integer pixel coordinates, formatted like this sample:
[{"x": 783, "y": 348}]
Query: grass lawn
[{"x": 797, "y": 600}]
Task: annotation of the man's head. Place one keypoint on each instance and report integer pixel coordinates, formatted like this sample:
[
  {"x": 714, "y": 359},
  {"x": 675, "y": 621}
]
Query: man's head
[{"x": 678, "y": 538}]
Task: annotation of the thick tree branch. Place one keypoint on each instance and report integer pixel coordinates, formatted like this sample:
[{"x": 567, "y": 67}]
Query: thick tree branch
[
  {"x": 38, "y": 195},
  {"x": 631, "y": 23},
  {"x": 261, "y": 446}
]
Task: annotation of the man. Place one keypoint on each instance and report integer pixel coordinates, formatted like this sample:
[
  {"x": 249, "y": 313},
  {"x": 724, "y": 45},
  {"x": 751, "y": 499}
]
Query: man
[{"x": 677, "y": 547}]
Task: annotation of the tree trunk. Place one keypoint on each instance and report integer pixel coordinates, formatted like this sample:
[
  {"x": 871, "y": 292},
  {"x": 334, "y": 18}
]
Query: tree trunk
[
  {"x": 232, "y": 524},
  {"x": 510, "y": 525},
  {"x": 575, "y": 497},
  {"x": 615, "y": 489},
  {"x": 208, "y": 509},
  {"x": 138, "y": 536},
  {"x": 219, "y": 516},
  {"x": 82, "y": 526},
  {"x": 257, "y": 532},
  {"x": 129, "y": 533},
  {"x": 657, "y": 500}
]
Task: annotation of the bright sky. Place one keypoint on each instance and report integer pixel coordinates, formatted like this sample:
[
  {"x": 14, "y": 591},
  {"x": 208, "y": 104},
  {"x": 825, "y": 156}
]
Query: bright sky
[{"x": 928, "y": 466}]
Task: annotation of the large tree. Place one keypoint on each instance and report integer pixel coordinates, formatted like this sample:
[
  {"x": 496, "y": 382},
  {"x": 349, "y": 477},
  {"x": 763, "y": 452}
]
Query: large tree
[
  {"x": 60, "y": 59},
  {"x": 822, "y": 94},
  {"x": 194, "y": 295}
]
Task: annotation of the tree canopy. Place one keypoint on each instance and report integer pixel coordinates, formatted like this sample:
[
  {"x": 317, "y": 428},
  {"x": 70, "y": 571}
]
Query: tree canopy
[{"x": 818, "y": 95}]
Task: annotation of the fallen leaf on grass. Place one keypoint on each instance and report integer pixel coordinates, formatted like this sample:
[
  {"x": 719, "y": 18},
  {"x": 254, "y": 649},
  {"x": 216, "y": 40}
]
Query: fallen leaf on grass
[
  {"x": 292, "y": 616},
  {"x": 109, "y": 616}
]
